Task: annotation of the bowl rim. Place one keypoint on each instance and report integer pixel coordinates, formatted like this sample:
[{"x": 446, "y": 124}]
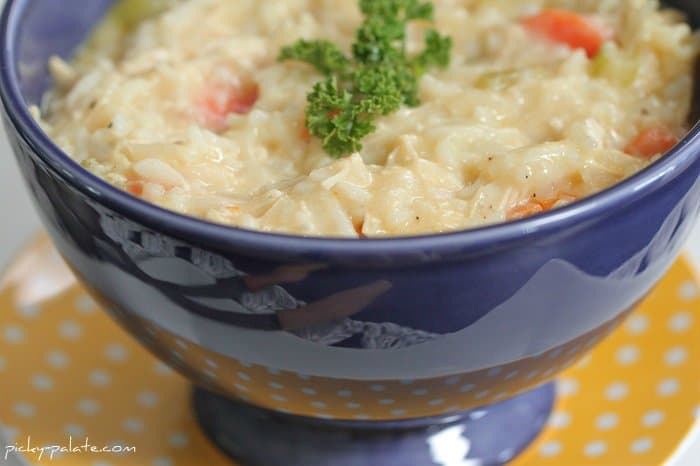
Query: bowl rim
[{"x": 220, "y": 236}]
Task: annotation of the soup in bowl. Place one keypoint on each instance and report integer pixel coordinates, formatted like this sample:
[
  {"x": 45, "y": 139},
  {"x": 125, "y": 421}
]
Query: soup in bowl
[{"x": 535, "y": 187}]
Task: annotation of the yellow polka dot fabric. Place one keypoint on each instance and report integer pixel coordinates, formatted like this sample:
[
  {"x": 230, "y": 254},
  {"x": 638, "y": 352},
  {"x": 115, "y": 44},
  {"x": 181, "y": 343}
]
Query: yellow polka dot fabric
[{"x": 68, "y": 371}]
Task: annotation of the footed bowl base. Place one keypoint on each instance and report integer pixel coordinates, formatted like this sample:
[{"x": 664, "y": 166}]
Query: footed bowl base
[{"x": 492, "y": 435}]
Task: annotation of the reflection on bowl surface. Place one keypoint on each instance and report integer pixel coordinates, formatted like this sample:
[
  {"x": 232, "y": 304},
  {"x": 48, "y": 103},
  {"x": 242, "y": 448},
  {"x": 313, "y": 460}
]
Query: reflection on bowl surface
[{"x": 420, "y": 327}]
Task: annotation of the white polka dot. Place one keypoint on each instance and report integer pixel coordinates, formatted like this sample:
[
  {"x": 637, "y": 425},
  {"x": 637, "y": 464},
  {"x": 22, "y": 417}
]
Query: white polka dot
[
  {"x": 273, "y": 371},
  {"x": 309, "y": 391},
  {"x": 116, "y": 352},
  {"x": 550, "y": 449},
  {"x": 324, "y": 416},
  {"x": 133, "y": 425},
  {"x": 353, "y": 405},
  {"x": 318, "y": 404},
  {"x": 567, "y": 387},
  {"x": 178, "y": 440},
  {"x": 240, "y": 387},
  {"x": 75, "y": 430},
  {"x": 676, "y": 356},
  {"x": 162, "y": 369},
  {"x": 42, "y": 382},
  {"x": 345, "y": 393},
  {"x": 436, "y": 402},
  {"x": 617, "y": 391},
  {"x": 8, "y": 433},
  {"x": 182, "y": 344},
  {"x": 361, "y": 417},
  {"x": 398, "y": 412},
  {"x": 29, "y": 311},
  {"x": 70, "y": 330},
  {"x": 100, "y": 378},
  {"x": 560, "y": 420},
  {"x": 24, "y": 409},
  {"x": 13, "y": 334},
  {"x": 147, "y": 399},
  {"x": 607, "y": 421},
  {"x": 276, "y": 385},
  {"x": 637, "y": 324},
  {"x": 482, "y": 394},
  {"x": 420, "y": 392},
  {"x": 641, "y": 445},
  {"x": 453, "y": 380},
  {"x": 653, "y": 418},
  {"x": 279, "y": 398},
  {"x": 532, "y": 374},
  {"x": 627, "y": 355},
  {"x": 511, "y": 375},
  {"x": 377, "y": 388},
  {"x": 85, "y": 304},
  {"x": 387, "y": 402},
  {"x": 244, "y": 376},
  {"x": 595, "y": 449},
  {"x": 210, "y": 373},
  {"x": 688, "y": 291},
  {"x": 668, "y": 387},
  {"x": 88, "y": 407},
  {"x": 212, "y": 364},
  {"x": 680, "y": 322},
  {"x": 467, "y": 388},
  {"x": 162, "y": 461},
  {"x": 57, "y": 359}
]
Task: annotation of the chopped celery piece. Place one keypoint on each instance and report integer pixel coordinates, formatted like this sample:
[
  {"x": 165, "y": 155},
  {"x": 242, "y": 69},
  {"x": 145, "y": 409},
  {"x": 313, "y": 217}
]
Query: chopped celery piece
[
  {"x": 129, "y": 13},
  {"x": 122, "y": 18},
  {"x": 614, "y": 65},
  {"x": 501, "y": 80}
]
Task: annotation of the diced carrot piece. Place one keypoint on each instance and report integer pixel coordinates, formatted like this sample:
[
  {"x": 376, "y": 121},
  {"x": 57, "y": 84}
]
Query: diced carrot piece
[
  {"x": 652, "y": 141},
  {"x": 534, "y": 207},
  {"x": 568, "y": 28},
  {"x": 305, "y": 134},
  {"x": 525, "y": 210},
  {"x": 548, "y": 204},
  {"x": 221, "y": 101},
  {"x": 135, "y": 188}
]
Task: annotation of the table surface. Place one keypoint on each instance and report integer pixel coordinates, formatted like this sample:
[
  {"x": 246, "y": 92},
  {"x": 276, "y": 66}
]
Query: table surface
[{"x": 22, "y": 223}]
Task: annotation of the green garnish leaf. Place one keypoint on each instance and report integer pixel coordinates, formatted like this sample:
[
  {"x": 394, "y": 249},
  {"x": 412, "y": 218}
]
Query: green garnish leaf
[
  {"x": 378, "y": 79},
  {"x": 322, "y": 54}
]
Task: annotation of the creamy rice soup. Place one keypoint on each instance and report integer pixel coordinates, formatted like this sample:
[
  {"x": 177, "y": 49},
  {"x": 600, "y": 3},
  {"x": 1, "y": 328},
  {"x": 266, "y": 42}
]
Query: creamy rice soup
[{"x": 544, "y": 102}]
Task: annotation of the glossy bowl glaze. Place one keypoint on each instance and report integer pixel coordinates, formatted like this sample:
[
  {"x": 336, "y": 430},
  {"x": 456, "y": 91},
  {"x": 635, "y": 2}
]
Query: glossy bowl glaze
[{"x": 374, "y": 330}]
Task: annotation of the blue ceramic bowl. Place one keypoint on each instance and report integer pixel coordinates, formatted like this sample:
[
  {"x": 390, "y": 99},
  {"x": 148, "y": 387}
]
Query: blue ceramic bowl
[{"x": 373, "y": 330}]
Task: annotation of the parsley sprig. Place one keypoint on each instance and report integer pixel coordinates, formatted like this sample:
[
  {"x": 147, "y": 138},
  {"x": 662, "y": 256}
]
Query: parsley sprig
[{"x": 377, "y": 80}]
